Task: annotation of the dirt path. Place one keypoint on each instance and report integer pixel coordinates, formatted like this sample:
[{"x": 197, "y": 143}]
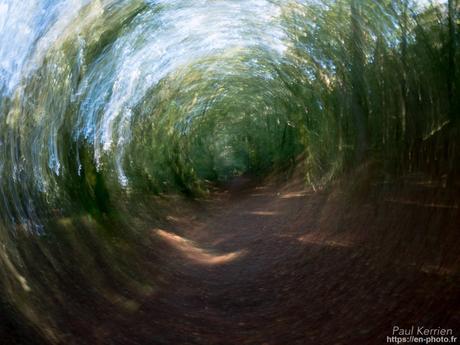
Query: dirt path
[{"x": 253, "y": 270}]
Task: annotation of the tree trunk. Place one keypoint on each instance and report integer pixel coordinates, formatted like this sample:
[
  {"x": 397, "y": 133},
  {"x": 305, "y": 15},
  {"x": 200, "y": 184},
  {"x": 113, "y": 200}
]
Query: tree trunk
[{"x": 358, "y": 98}]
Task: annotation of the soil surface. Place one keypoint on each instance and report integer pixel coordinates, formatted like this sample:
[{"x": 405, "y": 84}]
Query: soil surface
[{"x": 256, "y": 267}]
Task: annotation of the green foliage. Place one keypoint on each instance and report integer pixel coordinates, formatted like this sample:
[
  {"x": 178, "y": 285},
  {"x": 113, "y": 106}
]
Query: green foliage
[{"x": 381, "y": 73}]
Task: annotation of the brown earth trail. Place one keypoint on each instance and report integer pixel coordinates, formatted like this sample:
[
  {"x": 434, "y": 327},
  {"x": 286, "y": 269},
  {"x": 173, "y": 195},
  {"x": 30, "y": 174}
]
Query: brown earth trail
[{"x": 255, "y": 268}]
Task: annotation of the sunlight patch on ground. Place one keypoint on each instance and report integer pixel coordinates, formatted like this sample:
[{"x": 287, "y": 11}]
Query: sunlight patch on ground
[
  {"x": 263, "y": 213},
  {"x": 421, "y": 204},
  {"x": 193, "y": 252},
  {"x": 172, "y": 219},
  {"x": 315, "y": 239},
  {"x": 257, "y": 195},
  {"x": 291, "y": 195}
]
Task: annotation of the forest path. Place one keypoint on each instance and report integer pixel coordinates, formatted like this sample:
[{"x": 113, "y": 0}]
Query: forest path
[{"x": 254, "y": 270}]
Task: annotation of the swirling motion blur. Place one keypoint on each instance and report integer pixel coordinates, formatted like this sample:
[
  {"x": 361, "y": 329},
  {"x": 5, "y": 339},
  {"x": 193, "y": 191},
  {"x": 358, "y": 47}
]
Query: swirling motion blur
[
  {"x": 114, "y": 111},
  {"x": 106, "y": 98}
]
